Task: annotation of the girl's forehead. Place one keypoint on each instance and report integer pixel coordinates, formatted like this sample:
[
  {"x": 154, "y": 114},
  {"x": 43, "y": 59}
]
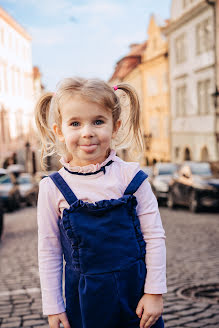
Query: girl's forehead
[{"x": 81, "y": 107}]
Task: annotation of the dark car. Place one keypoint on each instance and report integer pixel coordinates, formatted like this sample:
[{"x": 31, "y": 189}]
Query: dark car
[
  {"x": 162, "y": 175},
  {"x": 9, "y": 192},
  {"x": 28, "y": 188},
  {"x": 194, "y": 186}
]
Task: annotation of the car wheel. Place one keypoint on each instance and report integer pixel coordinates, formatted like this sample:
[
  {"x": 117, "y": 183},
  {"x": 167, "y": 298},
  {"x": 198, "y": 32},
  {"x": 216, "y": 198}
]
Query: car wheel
[
  {"x": 17, "y": 201},
  {"x": 32, "y": 201},
  {"x": 193, "y": 204},
  {"x": 10, "y": 205},
  {"x": 170, "y": 200}
]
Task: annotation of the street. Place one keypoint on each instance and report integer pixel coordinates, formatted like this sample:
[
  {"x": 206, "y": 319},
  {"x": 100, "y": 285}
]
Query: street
[{"x": 192, "y": 270}]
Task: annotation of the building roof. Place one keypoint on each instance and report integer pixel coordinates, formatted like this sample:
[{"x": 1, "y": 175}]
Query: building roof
[
  {"x": 126, "y": 64},
  {"x": 12, "y": 22}
]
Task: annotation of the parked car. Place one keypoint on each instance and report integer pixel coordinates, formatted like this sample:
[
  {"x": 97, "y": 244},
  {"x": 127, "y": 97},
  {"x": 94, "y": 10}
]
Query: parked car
[
  {"x": 9, "y": 192},
  {"x": 162, "y": 175},
  {"x": 28, "y": 188},
  {"x": 16, "y": 169},
  {"x": 3, "y": 172},
  {"x": 194, "y": 186},
  {"x": 149, "y": 171}
]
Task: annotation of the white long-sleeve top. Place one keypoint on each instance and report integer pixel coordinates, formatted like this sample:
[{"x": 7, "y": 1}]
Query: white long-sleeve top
[{"x": 93, "y": 188}]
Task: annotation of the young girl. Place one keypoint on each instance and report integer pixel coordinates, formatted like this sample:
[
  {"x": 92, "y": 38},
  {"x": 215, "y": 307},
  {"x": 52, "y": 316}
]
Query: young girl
[{"x": 98, "y": 211}]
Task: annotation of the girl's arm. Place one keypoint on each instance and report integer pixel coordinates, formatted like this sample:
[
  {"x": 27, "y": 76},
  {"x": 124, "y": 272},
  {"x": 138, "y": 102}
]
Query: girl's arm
[
  {"x": 154, "y": 236},
  {"x": 50, "y": 254},
  {"x": 150, "y": 306}
]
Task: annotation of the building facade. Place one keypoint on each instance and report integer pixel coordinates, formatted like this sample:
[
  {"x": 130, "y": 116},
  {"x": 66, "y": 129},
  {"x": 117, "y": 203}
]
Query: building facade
[
  {"x": 16, "y": 91},
  {"x": 128, "y": 70},
  {"x": 155, "y": 89},
  {"x": 192, "y": 78}
]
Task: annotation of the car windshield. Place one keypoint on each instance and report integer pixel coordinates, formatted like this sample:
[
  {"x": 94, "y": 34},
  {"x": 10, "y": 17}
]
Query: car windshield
[
  {"x": 166, "y": 169},
  {"x": 24, "y": 180},
  {"x": 5, "y": 179},
  {"x": 201, "y": 169}
]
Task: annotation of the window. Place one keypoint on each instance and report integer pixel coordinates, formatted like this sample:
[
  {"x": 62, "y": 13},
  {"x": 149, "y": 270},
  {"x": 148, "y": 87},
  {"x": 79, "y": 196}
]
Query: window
[
  {"x": 177, "y": 152},
  {"x": 152, "y": 88},
  {"x": 203, "y": 97},
  {"x": 2, "y": 36},
  {"x": 9, "y": 40},
  {"x": 166, "y": 126},
  {"x": 13, "y": 81},
  {"x": 154, "y": 43},
  {"x": 165, "y": 82},
  {"x": 154, "y": 127},
  {"x": 19, "y": 125},
  {"x": 204, "y": 36},
  {"x": 2, "y": 125},
  {"x": 181, "y": 99},
  {"x": 6, "y": 78},
  {"x": 185, "y": 3},
  {"x": 180, "y": 49}
]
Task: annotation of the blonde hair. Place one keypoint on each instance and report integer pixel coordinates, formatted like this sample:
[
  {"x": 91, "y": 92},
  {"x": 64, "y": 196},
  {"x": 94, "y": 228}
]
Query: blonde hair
[{"x": 48, "y": 112}]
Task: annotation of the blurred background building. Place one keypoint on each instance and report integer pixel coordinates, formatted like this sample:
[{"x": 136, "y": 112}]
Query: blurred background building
[
  {"x": 20, "y": 85},
  {"x": 176, "y": 74},
  {"x": 192, "y": 66},
  {"x": 155, "y": 85}
]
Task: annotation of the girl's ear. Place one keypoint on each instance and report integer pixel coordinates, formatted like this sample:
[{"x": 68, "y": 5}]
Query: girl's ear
[
  {"x": 58, "y": 132},
  {"x": 116, "y": 128}
]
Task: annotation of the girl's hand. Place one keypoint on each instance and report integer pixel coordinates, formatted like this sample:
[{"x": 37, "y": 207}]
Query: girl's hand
[
  {"x": 152, "y": 307},
  {"x": 56, "y": 319}
]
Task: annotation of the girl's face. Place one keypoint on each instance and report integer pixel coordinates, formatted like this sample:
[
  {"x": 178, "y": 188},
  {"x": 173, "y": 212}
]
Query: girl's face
[{"x": 87, "y": 130}]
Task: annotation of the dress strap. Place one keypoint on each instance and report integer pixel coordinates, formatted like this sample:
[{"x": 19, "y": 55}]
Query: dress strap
[
  {"x": 135, "y": 183},
  {"x": 63, "y": 187}
]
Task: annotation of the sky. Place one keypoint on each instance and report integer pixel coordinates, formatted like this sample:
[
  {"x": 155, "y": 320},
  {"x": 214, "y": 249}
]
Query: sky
[{"x": 83, "y": 38}]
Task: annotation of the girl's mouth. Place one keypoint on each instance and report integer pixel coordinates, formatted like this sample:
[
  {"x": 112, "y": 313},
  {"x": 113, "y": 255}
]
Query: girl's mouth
[{"x": 88, "y": 148}]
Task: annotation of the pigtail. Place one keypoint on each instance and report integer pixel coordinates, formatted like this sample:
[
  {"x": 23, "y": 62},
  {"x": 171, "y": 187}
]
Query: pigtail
[
  {"x": 133, "y": 121},
  {"x": 47, "y": 137}
]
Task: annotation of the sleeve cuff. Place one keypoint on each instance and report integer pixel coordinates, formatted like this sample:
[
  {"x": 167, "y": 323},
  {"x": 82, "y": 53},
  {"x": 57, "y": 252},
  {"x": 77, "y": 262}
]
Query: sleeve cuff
[
  {"x": 49, "y": 310},
  {"x": 162, "y": 289}
]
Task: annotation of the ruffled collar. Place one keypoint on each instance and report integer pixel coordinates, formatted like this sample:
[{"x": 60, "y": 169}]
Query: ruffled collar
[{"x": 91, "y": 168}]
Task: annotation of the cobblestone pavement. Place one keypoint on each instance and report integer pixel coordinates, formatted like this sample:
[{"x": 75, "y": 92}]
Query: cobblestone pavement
[{"x": 192, "y": 260}]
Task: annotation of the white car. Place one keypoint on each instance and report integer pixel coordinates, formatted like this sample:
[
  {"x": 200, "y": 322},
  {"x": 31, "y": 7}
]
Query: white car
[{"x": 28, "y": 188}]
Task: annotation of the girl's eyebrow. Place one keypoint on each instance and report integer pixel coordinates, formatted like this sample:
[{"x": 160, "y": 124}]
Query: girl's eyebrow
[
  {"x": 73, "y": 119},
  {"x": 100, "y": 116},
  {"x": 93, "y": 118}
]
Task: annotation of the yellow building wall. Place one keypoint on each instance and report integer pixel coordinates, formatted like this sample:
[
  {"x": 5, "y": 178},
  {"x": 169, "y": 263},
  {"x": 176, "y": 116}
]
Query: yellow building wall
[
  {"x": 134, "y": 78},
  {"x": 155, "y": 96}
]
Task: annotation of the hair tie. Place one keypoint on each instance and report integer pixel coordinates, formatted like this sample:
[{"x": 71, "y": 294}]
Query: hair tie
[{"x": 115, "y": 87}]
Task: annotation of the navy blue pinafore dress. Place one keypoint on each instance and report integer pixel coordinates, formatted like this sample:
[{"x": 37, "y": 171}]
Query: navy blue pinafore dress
[{"x": 104, "y": 251}]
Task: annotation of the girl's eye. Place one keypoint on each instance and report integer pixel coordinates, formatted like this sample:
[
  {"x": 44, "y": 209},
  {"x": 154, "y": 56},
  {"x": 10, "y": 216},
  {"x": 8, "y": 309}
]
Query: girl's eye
[
  {"x": 75, "y": 124},
  {"x": 98, "y": 122}
]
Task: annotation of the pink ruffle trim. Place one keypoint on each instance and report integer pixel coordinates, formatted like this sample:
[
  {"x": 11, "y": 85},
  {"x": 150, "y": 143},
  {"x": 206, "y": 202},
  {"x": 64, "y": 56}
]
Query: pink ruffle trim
[{"x": 88, "y": 168}]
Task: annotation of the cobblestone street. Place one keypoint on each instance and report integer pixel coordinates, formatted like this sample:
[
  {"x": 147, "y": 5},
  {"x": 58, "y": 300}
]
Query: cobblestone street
[{"x": 192, "y": 261}]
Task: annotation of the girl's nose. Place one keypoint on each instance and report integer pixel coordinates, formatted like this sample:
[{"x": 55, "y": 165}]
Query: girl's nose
[{"x": 87, "y": 131}]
